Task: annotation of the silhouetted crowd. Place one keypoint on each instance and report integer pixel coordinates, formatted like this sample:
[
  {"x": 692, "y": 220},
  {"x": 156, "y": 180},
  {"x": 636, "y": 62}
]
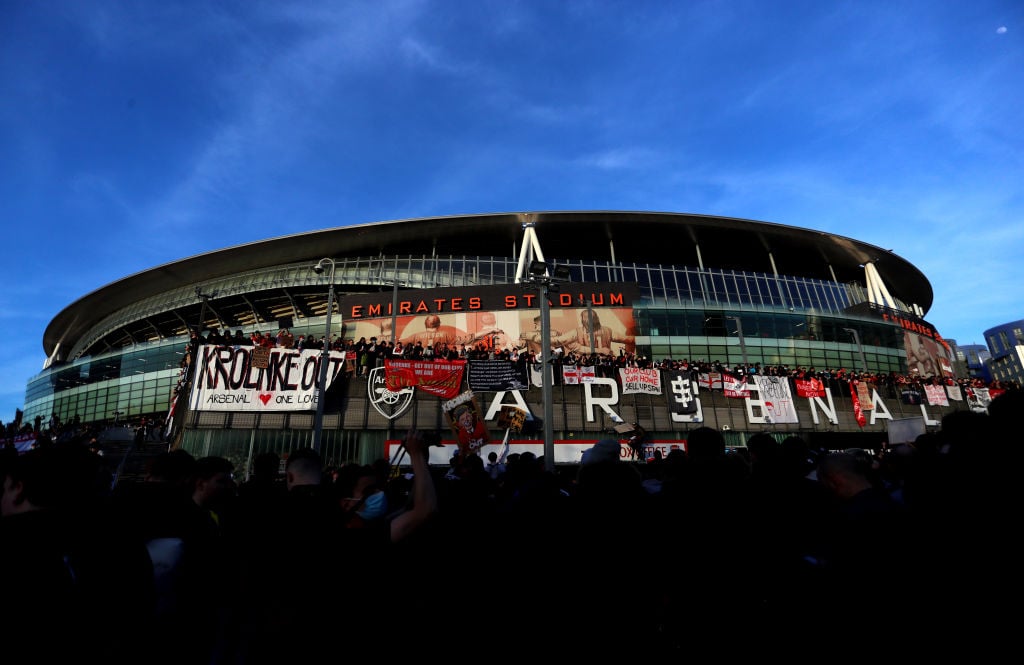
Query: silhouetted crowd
[{"x": 770, "y": 550}]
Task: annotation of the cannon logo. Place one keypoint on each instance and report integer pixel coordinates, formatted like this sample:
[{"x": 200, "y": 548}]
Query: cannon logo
[{"x": 388, "y": 403}]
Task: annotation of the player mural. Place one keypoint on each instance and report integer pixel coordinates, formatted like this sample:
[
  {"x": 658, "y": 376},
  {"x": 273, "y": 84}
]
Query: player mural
[
  {"x": 508, "y": 331},
  {"x": 499, "y": 318},
  {"x": 926, "y": 357}
]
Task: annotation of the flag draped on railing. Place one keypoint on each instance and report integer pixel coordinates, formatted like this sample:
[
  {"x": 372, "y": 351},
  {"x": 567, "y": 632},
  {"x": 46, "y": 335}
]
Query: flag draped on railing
[{"x": 858, "y": 412}]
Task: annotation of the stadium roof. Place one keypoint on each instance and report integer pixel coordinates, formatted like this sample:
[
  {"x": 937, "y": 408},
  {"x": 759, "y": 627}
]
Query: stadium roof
[{"x": 629, "y": 237}]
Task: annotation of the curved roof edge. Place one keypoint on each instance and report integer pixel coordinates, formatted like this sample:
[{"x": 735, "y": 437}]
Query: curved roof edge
[{"x": 626, "y": 236}]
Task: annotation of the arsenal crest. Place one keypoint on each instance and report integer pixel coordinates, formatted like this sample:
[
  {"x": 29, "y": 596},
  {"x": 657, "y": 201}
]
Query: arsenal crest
[{"x": 388, "y": 403}]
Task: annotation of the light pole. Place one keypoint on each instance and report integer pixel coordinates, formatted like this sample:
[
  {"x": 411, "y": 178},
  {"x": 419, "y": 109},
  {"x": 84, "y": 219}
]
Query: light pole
[
  {"x": 202, "y": 310},
  {"x": 860, "y": 349},
  {"x": 394, "y": 309},
  {"x": 394, "y": 312},
  {"x": 545, "y": 283},
  {"x": 325, "y": 354},
  {"x": 743, "y": 342}
]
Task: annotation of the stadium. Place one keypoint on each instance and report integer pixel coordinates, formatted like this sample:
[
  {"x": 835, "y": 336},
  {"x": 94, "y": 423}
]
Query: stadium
[{"x": 716, "y": 293}]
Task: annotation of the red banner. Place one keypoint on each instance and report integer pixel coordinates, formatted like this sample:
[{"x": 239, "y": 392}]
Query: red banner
[
  {"x": 809, "y": 388},
  {"x": 858, "y": 412},
  {"x": 441, "y": 378}
]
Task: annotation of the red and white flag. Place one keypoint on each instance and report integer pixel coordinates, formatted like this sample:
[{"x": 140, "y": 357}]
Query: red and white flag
[
  {"x": 709, "y": 380},
  {"x": 734, "y": 387}
]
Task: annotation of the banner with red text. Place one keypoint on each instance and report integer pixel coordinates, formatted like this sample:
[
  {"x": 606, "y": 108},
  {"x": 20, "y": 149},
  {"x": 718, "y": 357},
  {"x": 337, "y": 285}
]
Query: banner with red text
[
  {"x": 936, "y": 395},
  {"x": 809, "y": 388},
  {"x": 643, "y": 381},
  {"x": 776, "y": 398},
  {"x": 734, "y": 387},
  {"x": 441, "y": 378},
  {"x": 226, "y": 380}
]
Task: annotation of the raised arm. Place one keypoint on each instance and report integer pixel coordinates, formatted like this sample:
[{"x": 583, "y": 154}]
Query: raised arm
[{"x": 424, "y": 494}]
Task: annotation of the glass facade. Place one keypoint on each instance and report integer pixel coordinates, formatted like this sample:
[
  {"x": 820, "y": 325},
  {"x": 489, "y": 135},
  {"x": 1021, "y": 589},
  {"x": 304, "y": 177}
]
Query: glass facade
[{"x": 684, "y": 312}]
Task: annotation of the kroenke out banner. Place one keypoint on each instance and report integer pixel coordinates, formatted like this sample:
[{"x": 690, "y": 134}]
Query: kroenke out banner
[{"x": 227, "y": 379}]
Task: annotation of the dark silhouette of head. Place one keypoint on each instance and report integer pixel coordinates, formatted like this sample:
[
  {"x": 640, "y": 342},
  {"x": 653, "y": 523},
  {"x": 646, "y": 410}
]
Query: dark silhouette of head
[{"x": 705, "y": 443}]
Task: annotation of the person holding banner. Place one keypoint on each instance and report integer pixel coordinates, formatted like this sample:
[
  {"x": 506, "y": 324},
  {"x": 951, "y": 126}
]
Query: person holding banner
[{"x": 469, "y": 427}]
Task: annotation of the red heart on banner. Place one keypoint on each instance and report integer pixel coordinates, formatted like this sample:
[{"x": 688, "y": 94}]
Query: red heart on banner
[{"x": 265, "y": 399}]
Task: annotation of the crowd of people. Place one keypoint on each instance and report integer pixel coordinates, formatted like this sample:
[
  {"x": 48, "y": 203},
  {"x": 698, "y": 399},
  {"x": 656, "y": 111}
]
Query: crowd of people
[
  {"x": 767, "y": 550},
  {"x": 365, "y": 354}
]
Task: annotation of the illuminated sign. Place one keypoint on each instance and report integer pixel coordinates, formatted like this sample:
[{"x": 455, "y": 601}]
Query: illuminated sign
[{"x": 417, "y": 302}]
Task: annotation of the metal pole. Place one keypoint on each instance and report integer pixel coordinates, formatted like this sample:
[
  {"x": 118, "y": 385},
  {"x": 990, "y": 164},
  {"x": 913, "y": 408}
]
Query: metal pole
[
  {"x": 546, "y": 369},
  {"x": 394, "y": 311},
  {"x": 325, "y": 354},
  {"x": 202, "y": 310},
  {"x": 860, "y": 349},
  {"x": 590, "y": 324},
  {"x": 743, "y": 342}
]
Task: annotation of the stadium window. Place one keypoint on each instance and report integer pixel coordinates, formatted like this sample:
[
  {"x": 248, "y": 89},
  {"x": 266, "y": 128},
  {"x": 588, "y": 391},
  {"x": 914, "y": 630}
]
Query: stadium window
[
  {"x": 689, "y": 287},
  {"x": 718, "y": 291},
  {"x": 698, "y": 351},
  {"x": 659, "y": 351}
]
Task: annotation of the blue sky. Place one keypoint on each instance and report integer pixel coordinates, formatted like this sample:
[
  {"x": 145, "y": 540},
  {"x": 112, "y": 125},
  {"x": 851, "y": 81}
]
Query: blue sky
[{"x": 134, "y": 134}]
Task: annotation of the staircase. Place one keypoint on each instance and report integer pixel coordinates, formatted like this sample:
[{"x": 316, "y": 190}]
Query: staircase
[{"x": 127, "y": 461}]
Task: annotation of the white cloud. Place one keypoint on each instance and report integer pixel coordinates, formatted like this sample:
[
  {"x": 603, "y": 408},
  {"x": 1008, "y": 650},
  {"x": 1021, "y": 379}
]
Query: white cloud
[
  {"x": 1001, "y": 30},
  {"x": 620, "y": 158}
]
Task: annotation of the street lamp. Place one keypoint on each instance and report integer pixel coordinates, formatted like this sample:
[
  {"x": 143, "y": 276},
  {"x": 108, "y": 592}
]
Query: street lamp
[
  {"x": 860, "y": 349},
  {"x": 743, "y": 342},
  {"x": 539, "y": 277},
  {"x": 394, "y": 308},
  {"x": 394, "y": 312},
  {"x": 325, "y": 354}
]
